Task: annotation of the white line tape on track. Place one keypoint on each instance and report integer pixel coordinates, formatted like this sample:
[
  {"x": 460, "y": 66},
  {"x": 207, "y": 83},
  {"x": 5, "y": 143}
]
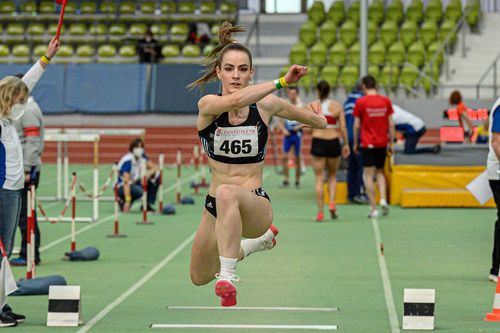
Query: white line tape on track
[
  {"x": 252, "y": 308},
  {"x": 248, "y": 327}
]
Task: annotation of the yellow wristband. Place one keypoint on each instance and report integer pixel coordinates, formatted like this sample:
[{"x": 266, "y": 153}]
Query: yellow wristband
[
  {"x": 283, "y": 82},
  {"x": 45, "y": 60},
  {"x": 128, "y": 198}
]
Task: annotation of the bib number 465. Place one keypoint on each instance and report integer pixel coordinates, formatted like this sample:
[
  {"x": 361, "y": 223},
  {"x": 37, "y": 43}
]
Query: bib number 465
[{"x": 236, "y": 146}]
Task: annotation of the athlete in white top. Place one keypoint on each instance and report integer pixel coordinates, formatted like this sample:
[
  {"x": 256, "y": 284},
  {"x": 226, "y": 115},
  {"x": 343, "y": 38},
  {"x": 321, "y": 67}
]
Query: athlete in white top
[
  {"x": 493, "y": 169},
  {"x": 13, "y": 93},
  {"x": 412, "y": 128}
]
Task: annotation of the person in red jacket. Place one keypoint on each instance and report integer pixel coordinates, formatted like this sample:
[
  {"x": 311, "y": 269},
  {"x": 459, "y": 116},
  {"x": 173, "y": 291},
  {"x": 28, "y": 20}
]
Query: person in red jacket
[{"x": 373, "y": 115}]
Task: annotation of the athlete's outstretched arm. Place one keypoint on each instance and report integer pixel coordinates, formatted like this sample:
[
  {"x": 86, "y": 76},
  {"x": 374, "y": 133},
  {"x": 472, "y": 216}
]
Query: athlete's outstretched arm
[
  {"x": 309, "y": 115},
  {"x": 214, "y": 105}
]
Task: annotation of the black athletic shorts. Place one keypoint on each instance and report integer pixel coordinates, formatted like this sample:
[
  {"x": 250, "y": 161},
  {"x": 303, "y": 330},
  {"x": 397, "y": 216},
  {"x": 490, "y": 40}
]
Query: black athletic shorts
[
  {"x": 212, "y": 208},
  {"x": 325, "y": 148},
  {"x": 373, "y": 157}
]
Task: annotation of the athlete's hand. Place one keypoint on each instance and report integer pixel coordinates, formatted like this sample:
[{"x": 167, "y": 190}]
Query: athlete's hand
[
  {"x": 355, "y": 148},
  {"x": 286, "y": 132},
  {"x": 345, "y": 151},
  {"x": 315, "y": 106},
  {"x": 295, "y": 72},
  {"x": 126, "y": 207},
  {"x": 52, "y": 48}
]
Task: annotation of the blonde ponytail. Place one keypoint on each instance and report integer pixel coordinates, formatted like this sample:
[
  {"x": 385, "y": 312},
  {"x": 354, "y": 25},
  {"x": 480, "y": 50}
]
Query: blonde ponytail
[{"x": 214, "y": 59}]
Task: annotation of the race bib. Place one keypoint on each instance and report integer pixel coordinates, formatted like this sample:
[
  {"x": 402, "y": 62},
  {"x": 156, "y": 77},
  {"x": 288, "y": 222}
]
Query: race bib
[{"x": 242, "y": 141}]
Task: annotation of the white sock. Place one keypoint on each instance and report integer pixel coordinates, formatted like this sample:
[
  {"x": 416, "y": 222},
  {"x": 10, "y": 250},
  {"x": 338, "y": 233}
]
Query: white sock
[
  {"x": 383, "y": 202},
  {"x": 227, "y": 266},
  {"x": 252, "y": 245}
]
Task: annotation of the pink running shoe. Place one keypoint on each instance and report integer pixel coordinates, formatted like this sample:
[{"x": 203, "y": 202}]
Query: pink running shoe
[
  {"x": 320, "y": 217},
  {"x": 225, "y": 289},
  {"x": 333, "y": 210}
]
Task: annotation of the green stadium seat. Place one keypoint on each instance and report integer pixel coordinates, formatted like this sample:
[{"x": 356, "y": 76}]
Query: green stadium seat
[
  {"x": 148, "y": 7},
  {"x": 29, "y": 7},
  {"x": 317, "y": 54},
  {"x": 159, "y": 29},
  {"x": 389, "y": 77},
  {"x": 298, "y": 54},
  {"x": 338, "y": 54},
  {"x": 65, "y": 51},
  {"x": 434, "y": 11},
  {"x": 416, "y": 54},
  {"x": 106, "y": 51},
  {"x": 374, "y": 71},
  {"x": 396, "y": 54},
  {"x": 98, "y": 29},
  {"x": 117, "y": 29},
  {"x": 169, "y": 51},
  {"x": 433, "y": 71},
  {"x": 191, "y": 51},
  {"x": 36, "y": 29},
  {"x": 415, "y": 12},
  {"x": 408, "y": 32},
  {"x": 179, "y": 31},
  {"x": 47, "y": 7},
  {"x": 207, "y": 7},
  {"x": 446, "y": 28},
  {"x": 77, "y": 29},
  {"x": 88, "y": 7},
  {"x": 108, "y": 7},
  {"x": 7, "y": 7},
  {"x": 70, "y": 7},
  {"x": 433, "y": 49},
  {"x": 313, "y": 74},
  {"x": 16, "y": 29},
  {"x": 228, "y": 7},
  {"x": 307, "y": 33},
  {"x": 388, "y": 32},
  {"x": 453, "y": 11},
  {"x": 372, "y": 32},
  {"x": 127, "y": 51},
  {"x": 207, "y": 49},
  {"x": 353, "y": 12},
  {"x": 214, "y": 30},
  {"x": 127, "y": 7},
  {"x": 348, "y": 77},
  {"x": 353, "y": 54},
  {"x": 473, "y": 13},
  {"x": 137, "y": 29},
  {"x": 330, "y": 74},
  {"x": 4, "y": 53},
  {"x": 186, "y": 7},
  {"x": 283, "y": 71},
  {"x": 21, "y": 50},
  {"x": 409, "y": 75},
  {"x": 52, "y": 29},
  {"x": 395, "y": 11},
  {"x": 85, "y": 50},
  {"x": 376, "y": 12},
  {"x": 336, "y": 13},
  {"x": 349, "y": 33},
  {"x": 376, "y": 54},
  {"x": 168, "y": 7},
  {"x": 428, "y": 32},
  {"x": 39, "y": 50},
  {"x": 328, "y": 33},
  {"x": 316, "y": 12}
]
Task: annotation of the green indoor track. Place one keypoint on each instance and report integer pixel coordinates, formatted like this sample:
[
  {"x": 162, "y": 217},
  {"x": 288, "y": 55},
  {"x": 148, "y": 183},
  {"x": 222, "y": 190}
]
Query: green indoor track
[{"x": 333, "y": 264}]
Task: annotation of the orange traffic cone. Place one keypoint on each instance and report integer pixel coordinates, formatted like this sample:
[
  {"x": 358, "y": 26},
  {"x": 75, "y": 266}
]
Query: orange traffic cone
[{"x": 495, "y": 314}]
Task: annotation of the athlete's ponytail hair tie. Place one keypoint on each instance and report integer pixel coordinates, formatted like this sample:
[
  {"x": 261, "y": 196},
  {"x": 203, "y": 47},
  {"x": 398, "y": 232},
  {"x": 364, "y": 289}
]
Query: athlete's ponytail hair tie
[{"x": 214, "y": 59}]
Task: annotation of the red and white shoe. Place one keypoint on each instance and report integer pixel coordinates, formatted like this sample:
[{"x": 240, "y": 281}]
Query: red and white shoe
[
  {"x": 320, "y": 217},
  {"x": 225, "y": 289},
  {"x": 333, "y": 210},
  {"x": 269, "y": 239}
]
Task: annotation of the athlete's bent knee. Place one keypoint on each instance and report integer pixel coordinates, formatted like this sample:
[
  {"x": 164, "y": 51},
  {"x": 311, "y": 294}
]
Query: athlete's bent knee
[{"x": 199, "y": 279}]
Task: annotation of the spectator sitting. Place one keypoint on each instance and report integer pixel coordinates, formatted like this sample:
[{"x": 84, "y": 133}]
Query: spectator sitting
[
  {"x": 483, "y": 132},
  {"x": 199, "y": 33},
  {"x": 148, "y": 48}
]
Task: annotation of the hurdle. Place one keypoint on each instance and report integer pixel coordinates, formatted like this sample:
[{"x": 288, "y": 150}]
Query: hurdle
[
  {"x": 179, "y": 175},
  {"x": 30, "y": 237},
  {"x": 62, "y": 136},
  {"x": 161, "y": 163},
  {"x": 144, "y": 177}
]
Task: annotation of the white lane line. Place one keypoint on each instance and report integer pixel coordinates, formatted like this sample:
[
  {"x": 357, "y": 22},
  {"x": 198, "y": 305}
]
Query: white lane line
[
  {"x": 136, "y": 286},
  {"x": 252, "y": 327},
  {"x": 93, "y": 225},
  {"x": 389, "y": 298},
  {"x": 252, "y": 308}
]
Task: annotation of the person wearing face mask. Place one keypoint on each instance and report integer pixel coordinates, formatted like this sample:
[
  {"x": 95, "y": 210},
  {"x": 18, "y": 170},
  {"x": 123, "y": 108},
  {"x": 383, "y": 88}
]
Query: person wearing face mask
[
  {"x": 129, "y": 177},
  {"x": 30, "y": 130},
  {"x": 148, "y": 48},
  {"x": 14, "y": 92}
]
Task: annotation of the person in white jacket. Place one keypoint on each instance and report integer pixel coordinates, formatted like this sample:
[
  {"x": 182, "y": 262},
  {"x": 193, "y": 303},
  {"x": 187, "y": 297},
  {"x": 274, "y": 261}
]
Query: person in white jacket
[{"x": 14, "y": 92}]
